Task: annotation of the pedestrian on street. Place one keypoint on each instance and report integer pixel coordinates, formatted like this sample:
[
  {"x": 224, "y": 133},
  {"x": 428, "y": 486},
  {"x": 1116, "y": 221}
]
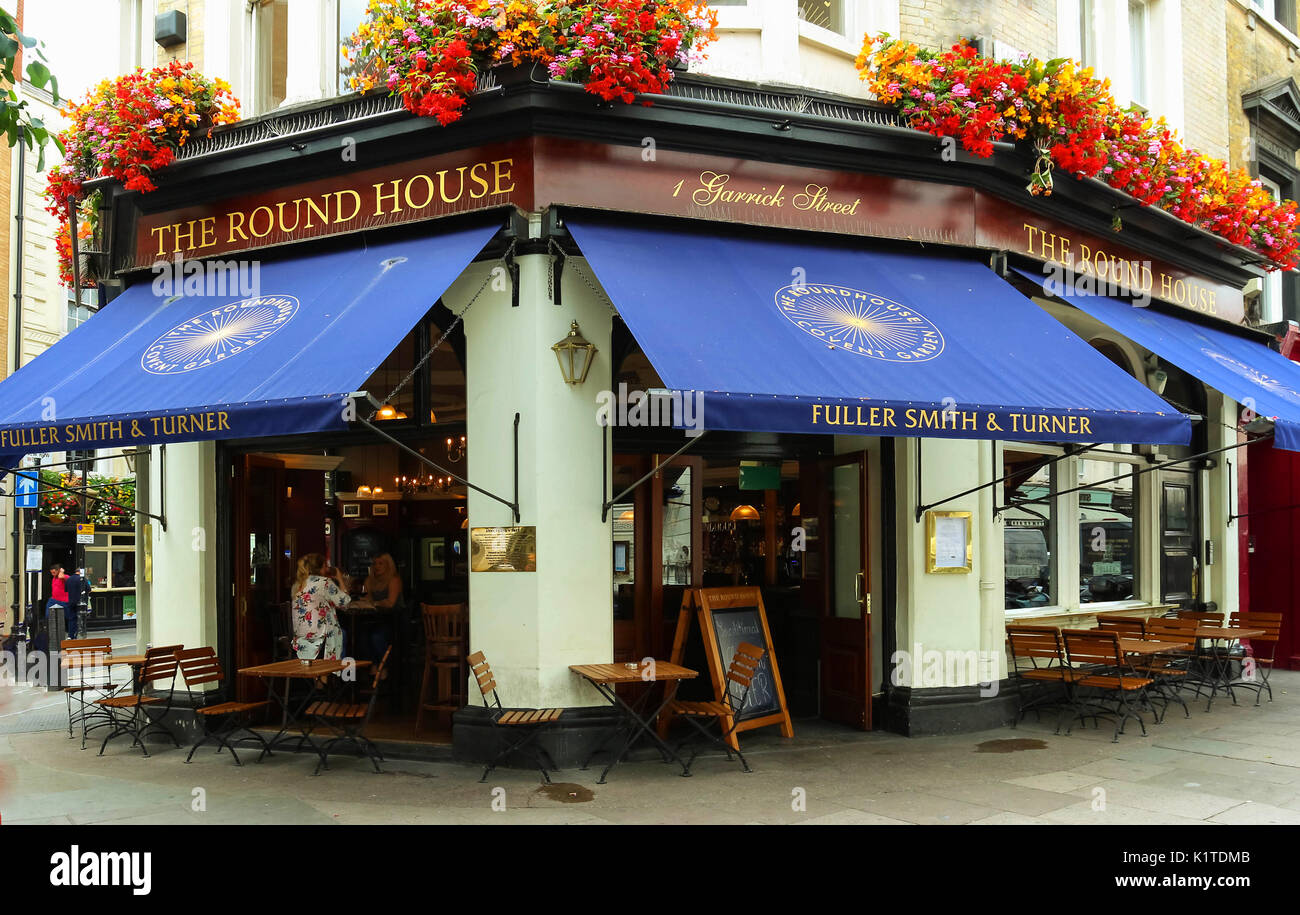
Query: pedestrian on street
[
  {"x": 59, "y": 598},
  {"x": 74, "y": 584}
]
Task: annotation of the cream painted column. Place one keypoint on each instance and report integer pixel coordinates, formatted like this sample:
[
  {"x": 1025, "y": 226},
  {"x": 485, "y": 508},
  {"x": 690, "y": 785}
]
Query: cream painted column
[
  {"x": 179, "y": 607},
  {"x": 1221, "y": 583},
  {"x": 944, "y": 610},
  {"x": 313, "y": 51},
  {"x": 990, "y": 564},
  {"x": 533, "y": 625}
]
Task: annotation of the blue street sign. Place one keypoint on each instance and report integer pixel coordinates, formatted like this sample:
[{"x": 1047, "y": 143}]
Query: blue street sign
[{"x": 26, "y": 490}]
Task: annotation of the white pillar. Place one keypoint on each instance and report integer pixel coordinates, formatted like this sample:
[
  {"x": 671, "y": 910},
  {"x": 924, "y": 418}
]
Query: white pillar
[
  {"x": 533, "y": 625},
  {"x": 179, "y": 607}
]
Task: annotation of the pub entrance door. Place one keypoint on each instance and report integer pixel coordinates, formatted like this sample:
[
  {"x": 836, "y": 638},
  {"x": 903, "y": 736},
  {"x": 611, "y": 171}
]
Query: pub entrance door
[
  {"x": 846, "y": 610},
  {"x": 1180, "y": 539}
]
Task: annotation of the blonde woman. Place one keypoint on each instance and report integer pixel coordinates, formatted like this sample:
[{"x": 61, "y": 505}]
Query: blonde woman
[
  {"x": 384, "y": 588},
  {"x": 319, "y": 592}
]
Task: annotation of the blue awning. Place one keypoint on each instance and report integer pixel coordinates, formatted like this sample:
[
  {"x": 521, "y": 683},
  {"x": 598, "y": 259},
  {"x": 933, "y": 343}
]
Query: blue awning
[
  {"x": 149, "y": 368},
  {"x": 1247, "y": 371},
  {"x": 785, "y": 336}
]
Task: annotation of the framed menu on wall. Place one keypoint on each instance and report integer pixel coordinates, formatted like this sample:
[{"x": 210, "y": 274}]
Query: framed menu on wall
[{"x": 948, "y": 541}]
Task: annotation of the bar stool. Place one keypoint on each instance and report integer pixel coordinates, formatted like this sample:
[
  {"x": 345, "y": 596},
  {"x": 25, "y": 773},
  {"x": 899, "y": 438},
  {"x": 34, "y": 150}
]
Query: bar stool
[{"x": 446, "y": 638}]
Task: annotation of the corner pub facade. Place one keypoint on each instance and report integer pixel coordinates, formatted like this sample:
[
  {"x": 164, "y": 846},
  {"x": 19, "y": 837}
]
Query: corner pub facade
[{"x": 902, "y": 349}]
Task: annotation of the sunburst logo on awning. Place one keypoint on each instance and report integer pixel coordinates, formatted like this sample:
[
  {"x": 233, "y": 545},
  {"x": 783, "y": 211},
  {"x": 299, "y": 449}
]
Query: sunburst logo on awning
[
  {"x": 217, "y": 335},
  {"x": 860, "y": 322}
]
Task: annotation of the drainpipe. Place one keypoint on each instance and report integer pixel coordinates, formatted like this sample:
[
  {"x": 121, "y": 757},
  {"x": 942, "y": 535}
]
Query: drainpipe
[{"x": 16, "y": 577}]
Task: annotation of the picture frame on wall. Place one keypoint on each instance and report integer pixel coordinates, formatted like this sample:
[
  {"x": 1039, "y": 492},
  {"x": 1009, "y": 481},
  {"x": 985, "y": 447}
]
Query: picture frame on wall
[
  {"x": 620, "y": 556},
  {"x": 948, "y": 542},
  {"x": 379, "y": 509},
  {"x": 351, "y": 510}
]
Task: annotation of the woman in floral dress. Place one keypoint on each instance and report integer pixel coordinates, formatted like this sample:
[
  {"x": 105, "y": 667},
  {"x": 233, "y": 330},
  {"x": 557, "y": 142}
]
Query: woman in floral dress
[{"x": 319, "y": 592}]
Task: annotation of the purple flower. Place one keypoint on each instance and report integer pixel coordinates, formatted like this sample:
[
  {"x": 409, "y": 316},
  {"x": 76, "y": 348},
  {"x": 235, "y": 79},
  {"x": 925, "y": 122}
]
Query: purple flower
[
  {"x": 960, "y": 90},
  {"x": 929, "y": 96}
]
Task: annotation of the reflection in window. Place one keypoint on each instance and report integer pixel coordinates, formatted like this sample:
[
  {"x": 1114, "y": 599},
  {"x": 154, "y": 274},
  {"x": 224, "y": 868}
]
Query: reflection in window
[
  {"x": 1029, "y": 532},
  {"x": 829, "y": 14},
  {"x": 351, "y": 12},
  {"x": 624, "y": 517},
  {"x": 1107, "y": 532},
  {"x": 677, "y": 528},
  {"x": 270, "y": 54}
]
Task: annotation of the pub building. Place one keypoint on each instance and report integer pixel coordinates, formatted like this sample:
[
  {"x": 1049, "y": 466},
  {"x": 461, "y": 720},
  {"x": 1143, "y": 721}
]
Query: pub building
[{"x": 799, "y": 350}]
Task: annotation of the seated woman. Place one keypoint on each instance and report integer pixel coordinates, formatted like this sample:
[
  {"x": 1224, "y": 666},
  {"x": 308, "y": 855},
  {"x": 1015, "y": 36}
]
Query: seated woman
[
  {"x": 384, "y": 588},
  {"x": 319, "y": 592}
]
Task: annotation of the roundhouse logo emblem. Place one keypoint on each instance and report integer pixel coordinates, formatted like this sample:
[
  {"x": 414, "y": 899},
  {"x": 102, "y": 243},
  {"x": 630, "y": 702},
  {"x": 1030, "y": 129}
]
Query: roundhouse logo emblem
[
  {"x": 860, "y": 322},
  {"x": 217, "y": 335},
  {"x": 1253, "y": 374}
]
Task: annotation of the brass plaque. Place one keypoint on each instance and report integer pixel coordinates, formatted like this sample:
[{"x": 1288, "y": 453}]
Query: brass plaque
[{"x": 503, "y": 549}]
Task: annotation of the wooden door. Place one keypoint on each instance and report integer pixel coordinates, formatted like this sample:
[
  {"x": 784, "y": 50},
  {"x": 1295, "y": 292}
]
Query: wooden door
[
  {"x": 261, "y": 582},
  {"x": 846, "y": 613},
  {"x": 1180, "y": 539}
]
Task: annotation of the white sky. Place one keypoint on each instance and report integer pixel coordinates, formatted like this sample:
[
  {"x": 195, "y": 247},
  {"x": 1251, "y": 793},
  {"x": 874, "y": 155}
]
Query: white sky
[{"x": 80, "y": 37}]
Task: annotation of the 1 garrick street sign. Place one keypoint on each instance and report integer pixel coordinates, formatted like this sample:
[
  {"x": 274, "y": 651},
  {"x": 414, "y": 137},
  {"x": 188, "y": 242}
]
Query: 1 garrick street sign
[{"x": 538, "y": 172}]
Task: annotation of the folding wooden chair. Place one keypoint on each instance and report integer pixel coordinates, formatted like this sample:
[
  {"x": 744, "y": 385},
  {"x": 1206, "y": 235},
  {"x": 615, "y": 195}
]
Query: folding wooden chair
[
  {"x": 1262, "y": 650},
  {"x": 1169, "y": 669},
  {"x": 1038, "y": 656},
  {"x": 516, "y": 729},
  {"x": 725, "y": 713},
  {"x": 87, "y": 677},
  {"x": 1098, "y": 653},
  {"x": 349, "y": 721},
  {"x": 1127, "y": 626},
  {"x": 220, "y": 720},
  {"x": 138, "y": 714}
]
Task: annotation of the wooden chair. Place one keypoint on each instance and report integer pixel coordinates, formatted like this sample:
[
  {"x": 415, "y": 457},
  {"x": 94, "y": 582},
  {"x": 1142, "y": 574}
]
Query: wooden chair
[
  {"x": 1110, "y": 675},
  {"x": 137, "y": 714},
  {"x": 516, "y": 728},
  {"x": 1126, "y": 626},
  {"x": 219, "y": 720},
  {"x": 1169, "y": 670},
  {"x": 725, "y": 713},
  {"x": 1262, "y": 650},
  {"x": 1204, "y": 618},
  {"x": 446, "y": 638},
  {"x": 1038, "y": 656},
  {"x": 87, "y": 677},
  {"x": 349, "y": 721}
]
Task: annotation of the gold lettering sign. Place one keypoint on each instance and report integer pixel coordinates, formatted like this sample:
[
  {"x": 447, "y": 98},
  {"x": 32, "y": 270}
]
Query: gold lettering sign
[
  {"x": 91, "y": 434},
  {"x": 879, "y": 420}
]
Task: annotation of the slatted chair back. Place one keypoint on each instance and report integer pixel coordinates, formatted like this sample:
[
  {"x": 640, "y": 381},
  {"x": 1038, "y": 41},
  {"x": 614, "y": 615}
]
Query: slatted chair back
[
  {"x": 159, "y": 664},
  {"x": 73, "y": 647},
  {"x": 1204, "y": 618},
  {"x": 1263, "y": 647},
  {"x": 486, "y": 682},
  {"x": 1126, "y": 626},
  {"x": 85, "y": 659},
  {"x": 446, "y": 626},
  {"x": 740, "y": 676},
  {"x": 1161, "y": 630},
  {"x": 1038, "y": 643},
  {"x": 199, "y": 666},
  {"x": 1092, "y": 647}
]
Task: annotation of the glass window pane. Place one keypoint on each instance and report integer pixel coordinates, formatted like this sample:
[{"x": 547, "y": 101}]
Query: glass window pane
[
  {"x": 1029, "y": 531},
  {"x": 829, "y": 14},
  {"x": 123, "y": 570},
  {"x": 1137, "y": 33},
  {"x": 351, "y": 12},
  {"x": 97, "y": 567},
  {"x": 1107, "y": 532},
  {"x": 677, "y": 528}
]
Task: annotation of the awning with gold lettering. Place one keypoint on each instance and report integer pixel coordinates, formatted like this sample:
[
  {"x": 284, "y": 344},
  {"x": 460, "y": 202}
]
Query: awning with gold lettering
[
  {"x": 767, "y": 333},
  {"x": 1264, "y": 382},
  {"x": 276, "y": 352}
]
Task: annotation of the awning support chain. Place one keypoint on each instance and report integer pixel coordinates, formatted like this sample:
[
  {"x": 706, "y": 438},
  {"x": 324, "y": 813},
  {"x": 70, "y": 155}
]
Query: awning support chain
[
  {"x": 609, "y": 503},
  {"x": 1047, "y": 461},
  {"x": 1264, "y": 511},
  {"x": 557, "y": 268},
  {"x": 509, "y": 259},
  {"x": 161, "y": 519},
  {"x": 1139, "y": 471},
  {"x": 513, "y": 506}
]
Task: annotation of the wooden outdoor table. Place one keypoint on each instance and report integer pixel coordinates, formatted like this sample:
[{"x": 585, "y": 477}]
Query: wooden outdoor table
[
  {"x": 1147, "y": 646},
  {"x": 297, "y": 669},
  {"x": 604, "y": 677}
]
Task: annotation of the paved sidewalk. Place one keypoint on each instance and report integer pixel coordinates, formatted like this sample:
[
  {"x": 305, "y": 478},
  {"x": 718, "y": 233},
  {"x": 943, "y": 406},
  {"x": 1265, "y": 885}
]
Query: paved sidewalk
[{"x": 1234, "y": 765}]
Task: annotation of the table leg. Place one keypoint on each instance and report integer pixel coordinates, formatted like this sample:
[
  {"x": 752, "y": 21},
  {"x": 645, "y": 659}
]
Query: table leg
[{"x": 644, "y": 725}]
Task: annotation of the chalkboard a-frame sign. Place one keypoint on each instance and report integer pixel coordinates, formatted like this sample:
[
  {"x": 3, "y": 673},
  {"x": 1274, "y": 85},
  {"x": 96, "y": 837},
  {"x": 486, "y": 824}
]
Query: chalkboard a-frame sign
[{"x": 728, "y": 617}]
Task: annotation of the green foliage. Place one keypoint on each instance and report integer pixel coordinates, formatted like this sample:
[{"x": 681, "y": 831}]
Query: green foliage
[{"x": 16, "y": 121}]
